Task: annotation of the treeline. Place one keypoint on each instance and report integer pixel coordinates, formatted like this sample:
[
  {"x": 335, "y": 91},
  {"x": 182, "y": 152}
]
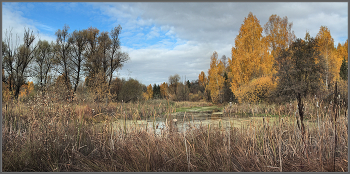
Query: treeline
[
  {"x": 59, "y": 66},
  {"x": 268, "y": 63}
]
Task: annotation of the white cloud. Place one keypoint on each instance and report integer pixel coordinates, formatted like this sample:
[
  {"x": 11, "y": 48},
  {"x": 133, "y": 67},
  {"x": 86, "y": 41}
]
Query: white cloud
[{"x": 13, "y": 20}]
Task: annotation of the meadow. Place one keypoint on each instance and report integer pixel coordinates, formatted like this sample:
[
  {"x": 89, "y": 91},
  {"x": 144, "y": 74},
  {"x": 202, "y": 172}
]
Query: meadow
[{"x": 42, "y": 135}]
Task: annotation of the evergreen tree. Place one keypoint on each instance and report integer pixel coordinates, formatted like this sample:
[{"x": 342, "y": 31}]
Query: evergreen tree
[{"x": 344, "y": 70}]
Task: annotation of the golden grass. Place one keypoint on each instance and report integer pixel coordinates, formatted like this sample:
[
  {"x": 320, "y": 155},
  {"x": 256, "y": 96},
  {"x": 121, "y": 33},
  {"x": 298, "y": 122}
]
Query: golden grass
[{"x": 64, "y": 137}]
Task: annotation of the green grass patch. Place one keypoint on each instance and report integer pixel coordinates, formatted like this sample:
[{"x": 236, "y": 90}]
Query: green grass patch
[{"x": 199, "y": 109}]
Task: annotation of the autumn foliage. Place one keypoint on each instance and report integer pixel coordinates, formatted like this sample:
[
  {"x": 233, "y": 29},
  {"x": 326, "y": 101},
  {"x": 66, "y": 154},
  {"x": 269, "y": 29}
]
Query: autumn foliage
[
  {"x": 149, "y": 93},
  {"x": 26, "y": 89},
  {"x": 256, "y": 90},
  {"x": 250, "y": 56},
  {"x": 215, "y": 78},
  {"x": 253, "y": 72}
]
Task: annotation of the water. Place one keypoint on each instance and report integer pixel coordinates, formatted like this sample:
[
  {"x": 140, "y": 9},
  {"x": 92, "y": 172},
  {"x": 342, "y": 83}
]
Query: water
[{"x": 189, "y": 121}]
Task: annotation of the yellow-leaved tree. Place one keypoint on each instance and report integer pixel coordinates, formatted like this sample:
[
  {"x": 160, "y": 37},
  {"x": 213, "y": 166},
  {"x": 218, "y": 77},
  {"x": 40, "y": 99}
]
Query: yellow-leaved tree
[
  {"x": 325, "y": 44},
  {"x": 342, "y": 50},
  {"x": 202, "y": 80},
  {"x": 149, "y": 93},
  {"x": 163, "y": 90},
  {"x": 279, "y": 34},
  {"x": 250, "y": 57},
  {"x": 26, "y": 89},
  {"x": 216, "y": 79}
]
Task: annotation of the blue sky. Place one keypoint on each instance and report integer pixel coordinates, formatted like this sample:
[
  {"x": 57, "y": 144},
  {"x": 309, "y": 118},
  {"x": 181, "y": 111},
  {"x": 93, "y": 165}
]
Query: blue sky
[{"x": 163, "y": 39}]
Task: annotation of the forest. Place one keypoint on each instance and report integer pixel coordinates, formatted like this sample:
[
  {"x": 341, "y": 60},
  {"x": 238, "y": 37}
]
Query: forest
[{"x": 59, "y": 100}]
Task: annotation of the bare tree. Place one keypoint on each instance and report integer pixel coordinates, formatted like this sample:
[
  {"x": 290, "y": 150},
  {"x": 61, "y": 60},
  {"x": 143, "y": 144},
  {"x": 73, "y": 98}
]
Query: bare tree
[
  {"x": 79, "y": 41},
  {"x": 9, "y": 50},
  {"x": 117, "y": 58},
  {"x": 22, "y": 59},
  {"x": 173, "y": 82},
  {"x": 63, "y": 47},
  {"x": 44, "y": 55}
]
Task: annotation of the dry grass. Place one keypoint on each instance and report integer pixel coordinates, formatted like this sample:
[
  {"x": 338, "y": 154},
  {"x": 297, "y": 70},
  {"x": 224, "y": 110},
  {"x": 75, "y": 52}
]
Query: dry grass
[{"x": 41, "y": 136}]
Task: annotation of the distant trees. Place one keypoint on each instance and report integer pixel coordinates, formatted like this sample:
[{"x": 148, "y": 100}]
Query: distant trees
[
  {"x": 173, "y": 82},
  {"x": 130, "y": 91},
  {"x": 86, "y": 52}
]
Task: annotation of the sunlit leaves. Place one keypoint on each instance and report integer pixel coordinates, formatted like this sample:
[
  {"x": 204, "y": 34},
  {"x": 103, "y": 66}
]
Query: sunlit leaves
[
  {"x": 216, "y": 79},
  {"x": 149, "y": 93},
  {"x": 250, "y": 56}
]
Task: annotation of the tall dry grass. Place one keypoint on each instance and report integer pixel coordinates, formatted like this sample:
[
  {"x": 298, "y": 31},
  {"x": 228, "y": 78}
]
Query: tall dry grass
[{"x": 43, "y": 136}]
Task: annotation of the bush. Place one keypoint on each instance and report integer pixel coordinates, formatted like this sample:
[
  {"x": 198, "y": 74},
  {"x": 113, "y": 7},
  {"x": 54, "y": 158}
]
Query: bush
[
  {"x": 131, "y": 91},
  {"x": 195, "y": 97},
  {"x": 256, "y": 90}
]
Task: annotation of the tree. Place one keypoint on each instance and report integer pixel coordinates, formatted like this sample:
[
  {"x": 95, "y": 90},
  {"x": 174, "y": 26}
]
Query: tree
[
  {"x": 63, "y": 48},
  {"x": 116, "y": 58},
  {"x": 202, "y": 80},
  {"x": 344, "y": 70},
  {"x": 116, "y": 86},
  {"x": 9, "y": 50},
  {"x": 163, "y": 90},
  {"x": 131, "y": 91},
  {"x": 103, "y": 53},
  {"x": 300, "y": 73},
  {"x": 173, "y": 82},
  {"x": 250, "y": 56},
  {"x": 182, "y": 93},
  {"x": 216, "y": 79},
  {"x": 342, "y": 52},
  {"x": 93, "y": 63},
  {"x": 325, "y": 44},
  {"x": 224, "y": 60},
  {"x": 156, "y": 91},
  {"x": 44, "y": 55},
  {"x": 279, "y": 34},
  {"x": 79, "y": 41},
  {"x": 149, "y": 93},
  {"x": 22, "y": 59}
]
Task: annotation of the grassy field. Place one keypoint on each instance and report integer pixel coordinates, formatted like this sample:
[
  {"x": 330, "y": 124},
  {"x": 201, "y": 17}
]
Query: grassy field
[{"x": 64, "y": 137}]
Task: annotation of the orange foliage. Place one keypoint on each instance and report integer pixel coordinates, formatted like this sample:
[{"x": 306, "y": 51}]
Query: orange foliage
[
  {"x": 149, "y": 93},
  {"x": 250, "y": 56},
  {"x": 163, "y": 89},
  {"x": 26, "y": 89},
  {"x": 279, "y": 34},
  {"x": 215, "y": 78},
  {"x": 202, "y": 79},
  {"x": 256, "y": 90},
  {"x": 325, "y": 44}
]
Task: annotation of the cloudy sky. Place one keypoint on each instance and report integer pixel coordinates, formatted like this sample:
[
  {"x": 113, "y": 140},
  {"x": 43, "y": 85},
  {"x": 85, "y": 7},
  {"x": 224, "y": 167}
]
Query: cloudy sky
[{"x": 163, "y": 39}]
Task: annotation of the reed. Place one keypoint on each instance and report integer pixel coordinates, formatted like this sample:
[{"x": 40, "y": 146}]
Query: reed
[{"x": 65, "y": 137}]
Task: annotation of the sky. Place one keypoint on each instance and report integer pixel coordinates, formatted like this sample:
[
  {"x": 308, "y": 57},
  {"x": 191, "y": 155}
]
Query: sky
[{"x": 164, "y": 39}]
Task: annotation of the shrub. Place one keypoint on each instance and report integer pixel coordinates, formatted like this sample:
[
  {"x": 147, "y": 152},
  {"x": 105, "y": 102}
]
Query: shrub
[{"x": 256, "y": 90}]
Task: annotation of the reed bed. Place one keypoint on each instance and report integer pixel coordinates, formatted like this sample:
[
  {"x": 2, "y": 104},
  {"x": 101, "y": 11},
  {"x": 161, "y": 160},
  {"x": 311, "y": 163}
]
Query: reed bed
[{"x": 62, "y": 137}]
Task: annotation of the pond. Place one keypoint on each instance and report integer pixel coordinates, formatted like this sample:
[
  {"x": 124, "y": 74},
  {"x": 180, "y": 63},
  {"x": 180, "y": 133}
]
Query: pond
[{"x": 186, "y": 121}]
